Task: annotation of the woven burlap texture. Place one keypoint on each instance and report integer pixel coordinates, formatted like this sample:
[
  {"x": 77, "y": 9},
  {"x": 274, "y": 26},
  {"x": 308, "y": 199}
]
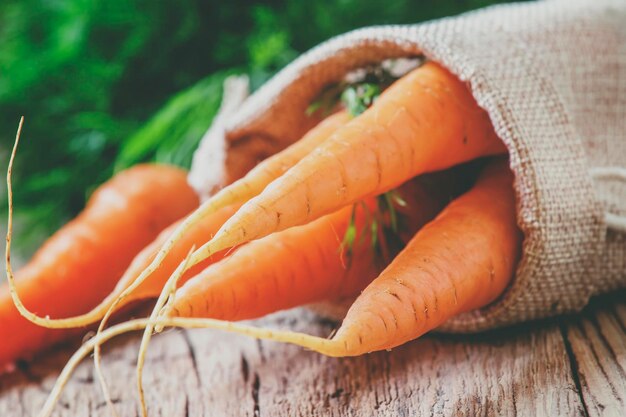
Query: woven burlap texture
[{"x": 552, "y": 76}]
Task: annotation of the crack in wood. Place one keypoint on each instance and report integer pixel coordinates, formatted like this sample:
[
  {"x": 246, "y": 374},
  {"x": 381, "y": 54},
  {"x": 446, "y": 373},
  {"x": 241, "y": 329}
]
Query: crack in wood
[
  {"x": 259, "y": 344},
  {"x": 605, "y": 342},
  {"x": 256, "y": 384},
  {"x": 101, "y": 404},
  {"x": 574, "y": 368},
  {"x": 337, "y": 393},
  {"x": 618, "y": 317},
  {"x": 192, "y": 354},
  {"x": 245, "y": 368},
  {"x": 596, "y": 358}
]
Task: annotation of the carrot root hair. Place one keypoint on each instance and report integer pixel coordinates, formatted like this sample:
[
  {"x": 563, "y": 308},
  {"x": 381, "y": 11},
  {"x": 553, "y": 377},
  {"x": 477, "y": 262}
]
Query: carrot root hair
[
  {"x": 23, "y": 310},
  {"x": 315, "y": 343},
  {"x": 166, "y": 298}
]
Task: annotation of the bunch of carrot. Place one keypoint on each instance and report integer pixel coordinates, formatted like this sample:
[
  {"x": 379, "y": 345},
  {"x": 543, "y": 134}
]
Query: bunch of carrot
[{"x": 321, "y": 219}]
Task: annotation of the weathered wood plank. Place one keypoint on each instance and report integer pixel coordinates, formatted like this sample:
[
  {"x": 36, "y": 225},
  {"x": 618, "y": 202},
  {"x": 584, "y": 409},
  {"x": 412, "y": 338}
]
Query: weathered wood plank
[
  {"x": 522, "y": 371},
  {"x": 598, "y": 344}
]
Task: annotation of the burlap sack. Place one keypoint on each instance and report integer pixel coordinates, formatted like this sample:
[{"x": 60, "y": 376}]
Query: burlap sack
[{"x": 552, "y": 76}]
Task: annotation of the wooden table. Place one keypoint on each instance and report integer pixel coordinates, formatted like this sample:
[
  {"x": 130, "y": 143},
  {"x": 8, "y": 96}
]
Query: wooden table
[{"x": 573, "y": 366}]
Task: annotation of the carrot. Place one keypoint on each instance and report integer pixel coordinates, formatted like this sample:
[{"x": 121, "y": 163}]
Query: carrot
[
  {"x": 461, "y": 261},
  {"x": 425, "y": 121},
  {"x": 283, "y": 270},
  {"x": 152, "y": 286},
  {"x": 81, "y": 263}
]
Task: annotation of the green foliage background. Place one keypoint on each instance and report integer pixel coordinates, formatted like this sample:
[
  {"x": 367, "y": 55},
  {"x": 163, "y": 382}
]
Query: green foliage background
[{"x": 104, "y": 84}]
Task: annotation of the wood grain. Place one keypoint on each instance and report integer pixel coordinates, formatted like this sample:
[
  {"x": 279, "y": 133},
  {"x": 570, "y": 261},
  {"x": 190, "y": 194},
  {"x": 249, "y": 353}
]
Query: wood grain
[
  {"x": 522, "y": 371},
  {"x": 598, "y": 346}
]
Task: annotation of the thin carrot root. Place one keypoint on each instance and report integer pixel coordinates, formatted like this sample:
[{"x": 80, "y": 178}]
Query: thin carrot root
[
  {"x": 208, "y": 208},
  {"x": 300, "y": 339},
  {"x": 168, "y": 290},
  {"x": 7, "y": 252},
  {"x": 70, "y": 322},
  {"x": 80, "y": 354},
  {"x": 204, "y": 229},
  {"x": 166, "y": 295}
]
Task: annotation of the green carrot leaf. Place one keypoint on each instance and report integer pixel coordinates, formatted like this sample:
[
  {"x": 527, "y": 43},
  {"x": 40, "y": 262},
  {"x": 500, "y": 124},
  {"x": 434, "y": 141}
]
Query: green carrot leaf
[{"x": 359, "y": 97}]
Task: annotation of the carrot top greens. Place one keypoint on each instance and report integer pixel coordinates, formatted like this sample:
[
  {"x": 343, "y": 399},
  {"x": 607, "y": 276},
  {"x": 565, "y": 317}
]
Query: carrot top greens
[
  {"x": 361, "y": 87},
  {"x": 358, "y": 92},
  {"x": 382, "y": 225},
  {"x": 360, "y": 97}
]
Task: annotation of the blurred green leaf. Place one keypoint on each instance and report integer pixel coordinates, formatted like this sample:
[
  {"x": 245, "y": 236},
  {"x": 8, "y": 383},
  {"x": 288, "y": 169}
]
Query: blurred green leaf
[{"x": 173, "y": 133}]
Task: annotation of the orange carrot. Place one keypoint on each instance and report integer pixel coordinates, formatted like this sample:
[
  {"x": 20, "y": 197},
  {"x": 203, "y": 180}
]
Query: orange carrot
[
  {"x": 426, "y": 121},
  {"x": 82, "y": 262},
  {"x": 461, "y": 261},
  {"x": 283, "y": 270}
]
